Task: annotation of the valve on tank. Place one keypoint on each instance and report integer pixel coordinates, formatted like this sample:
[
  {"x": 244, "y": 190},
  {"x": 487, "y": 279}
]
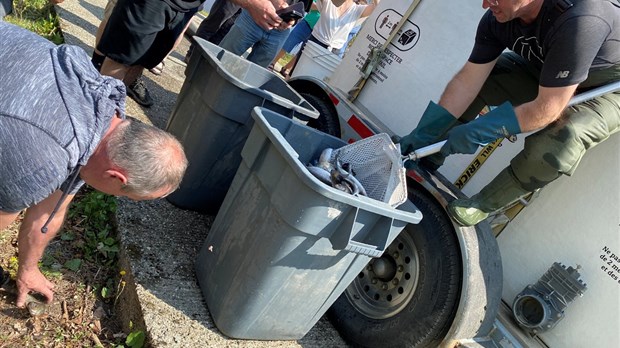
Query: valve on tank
[{"x": 539, "y": 307}]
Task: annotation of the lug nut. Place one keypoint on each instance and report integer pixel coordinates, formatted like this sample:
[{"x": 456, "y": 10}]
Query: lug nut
[
  {"x": 395, "y": 255},
  {"x": 374, "y": 280},
  {"x": 384, "y": 286},
  {"x": 395, "y": 281},
  {"x": 401, "y": 268}
]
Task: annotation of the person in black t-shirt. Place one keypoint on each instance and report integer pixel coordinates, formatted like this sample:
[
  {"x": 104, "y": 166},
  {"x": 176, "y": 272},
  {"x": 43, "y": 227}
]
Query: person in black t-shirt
[{"x": 557, "y": 48}]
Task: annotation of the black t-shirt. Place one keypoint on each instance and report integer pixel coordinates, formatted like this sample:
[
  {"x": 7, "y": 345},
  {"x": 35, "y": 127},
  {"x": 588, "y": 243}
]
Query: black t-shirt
[
  {"x": 565, "y": 46},
  {"x": 184, "y": 5}
]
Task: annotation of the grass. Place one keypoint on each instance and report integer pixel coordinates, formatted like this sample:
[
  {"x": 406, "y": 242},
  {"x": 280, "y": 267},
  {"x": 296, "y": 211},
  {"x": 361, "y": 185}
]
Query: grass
[{"x": 37, "y": 16}]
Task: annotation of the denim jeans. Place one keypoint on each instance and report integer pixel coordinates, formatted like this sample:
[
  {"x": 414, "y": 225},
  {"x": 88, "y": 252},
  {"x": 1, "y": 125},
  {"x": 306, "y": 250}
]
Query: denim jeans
[
  {"x": 247, "y": 34},
  {"x": 299, "y": 34}
]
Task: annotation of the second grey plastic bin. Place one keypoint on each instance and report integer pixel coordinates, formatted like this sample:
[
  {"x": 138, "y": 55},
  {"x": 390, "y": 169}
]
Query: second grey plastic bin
[
  {"x": 284, "y": 245},
  {"x": 212, "y": 120}
]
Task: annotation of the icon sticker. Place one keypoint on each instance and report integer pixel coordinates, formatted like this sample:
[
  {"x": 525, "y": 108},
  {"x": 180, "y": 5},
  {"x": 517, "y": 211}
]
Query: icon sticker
[{"x": 407, "y": 36}]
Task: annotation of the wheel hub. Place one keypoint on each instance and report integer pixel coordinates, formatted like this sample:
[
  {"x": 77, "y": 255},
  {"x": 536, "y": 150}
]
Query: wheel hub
[
  {"x": 383, "y": 268},
  {"x": 388, "y": 283}
]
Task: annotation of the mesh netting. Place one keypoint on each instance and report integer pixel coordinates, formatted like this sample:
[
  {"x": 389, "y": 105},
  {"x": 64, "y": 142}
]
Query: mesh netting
[{"x": 377, "y": 164}]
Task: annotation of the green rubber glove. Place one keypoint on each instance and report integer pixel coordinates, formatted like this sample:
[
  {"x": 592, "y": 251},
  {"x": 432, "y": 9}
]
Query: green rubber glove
[
  {"x": 433, "y": 125},
  {"x": 501, "y": 122}
]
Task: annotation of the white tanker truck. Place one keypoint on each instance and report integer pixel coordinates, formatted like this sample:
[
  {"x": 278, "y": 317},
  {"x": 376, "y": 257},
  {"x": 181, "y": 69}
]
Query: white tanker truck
[{"x": 544, "y": 273}]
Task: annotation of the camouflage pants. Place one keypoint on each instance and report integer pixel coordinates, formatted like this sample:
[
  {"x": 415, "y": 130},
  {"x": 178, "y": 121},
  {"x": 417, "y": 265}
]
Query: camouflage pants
[{"x": 558, "y": 148}]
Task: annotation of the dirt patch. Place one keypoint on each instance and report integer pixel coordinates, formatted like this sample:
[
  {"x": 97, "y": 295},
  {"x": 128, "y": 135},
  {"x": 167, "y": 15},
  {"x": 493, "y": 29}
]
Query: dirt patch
[{"x": 82, "y": 263}]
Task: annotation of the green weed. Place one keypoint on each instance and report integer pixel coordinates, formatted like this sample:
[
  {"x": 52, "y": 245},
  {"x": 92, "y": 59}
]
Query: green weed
[
  {"x": 136, "y": 338},
  {"x": 38, "y": 16},
  {"x": 93, "y": 214}
]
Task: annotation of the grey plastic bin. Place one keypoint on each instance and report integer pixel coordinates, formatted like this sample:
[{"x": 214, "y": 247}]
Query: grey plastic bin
[
  {"x": 212, "y": 120},
  {"x": 284, "y": 246}
]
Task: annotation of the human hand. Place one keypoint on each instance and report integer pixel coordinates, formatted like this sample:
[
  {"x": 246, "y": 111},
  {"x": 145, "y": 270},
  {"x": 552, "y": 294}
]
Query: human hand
[
  {"x": 285, "y": 25},
  {"x": 498, "y": 123},
  {"x": 461, "y": 139},
  {"x": 433, "y": 125},
  {"x": 263, "y": 12},
  {"x": 32, "y": 280}
]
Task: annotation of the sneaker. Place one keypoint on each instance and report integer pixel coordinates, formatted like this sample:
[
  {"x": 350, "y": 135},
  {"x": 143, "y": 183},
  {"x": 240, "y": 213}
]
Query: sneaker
[
  {"x": 138, "y": 92},
  {"x": 158, "y": 69},
  {"x": 462, "y": 211}
]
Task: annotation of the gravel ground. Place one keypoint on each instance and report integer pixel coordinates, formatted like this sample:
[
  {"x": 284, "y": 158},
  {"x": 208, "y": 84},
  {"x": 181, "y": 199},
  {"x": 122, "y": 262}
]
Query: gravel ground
[{"x": 159, "y": 241}]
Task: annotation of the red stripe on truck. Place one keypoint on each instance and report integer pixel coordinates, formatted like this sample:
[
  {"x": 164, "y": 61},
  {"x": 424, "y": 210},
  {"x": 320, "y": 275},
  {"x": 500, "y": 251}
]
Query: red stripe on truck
[
  {"x": 359, "y": 127},
  {"x": 334, "y": 100}
]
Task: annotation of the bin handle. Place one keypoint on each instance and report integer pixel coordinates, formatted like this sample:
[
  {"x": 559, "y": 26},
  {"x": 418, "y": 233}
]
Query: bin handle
[
  {"x": 287, "y": 104},
  {"x": 369, "y": 235}
]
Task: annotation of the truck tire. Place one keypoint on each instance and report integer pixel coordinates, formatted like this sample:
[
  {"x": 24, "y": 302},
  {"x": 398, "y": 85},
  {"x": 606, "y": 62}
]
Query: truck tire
[
  {"x": 328, "y": 118},
  {"x": 409, "y": 296}
]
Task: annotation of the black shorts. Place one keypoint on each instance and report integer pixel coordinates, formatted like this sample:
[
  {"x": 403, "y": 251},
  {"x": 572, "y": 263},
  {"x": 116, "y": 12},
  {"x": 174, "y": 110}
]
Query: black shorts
[{"x": 142, "y": 32}]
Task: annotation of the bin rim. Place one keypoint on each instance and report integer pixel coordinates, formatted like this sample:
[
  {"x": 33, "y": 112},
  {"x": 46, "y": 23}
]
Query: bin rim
[
  {"x": 300, "y": 170},
  {"x": 309, "y": 111}
]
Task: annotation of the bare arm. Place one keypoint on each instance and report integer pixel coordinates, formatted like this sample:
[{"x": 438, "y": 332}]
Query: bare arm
[
  {"x": 32, "y": 243},
  {"x": 543, "y": 110},
  {"x": 6, "y": 219},
  {"x": 464, "y": 87},
  {"x": 546, "y": 108},
  {"x": 370, "y": 8}
]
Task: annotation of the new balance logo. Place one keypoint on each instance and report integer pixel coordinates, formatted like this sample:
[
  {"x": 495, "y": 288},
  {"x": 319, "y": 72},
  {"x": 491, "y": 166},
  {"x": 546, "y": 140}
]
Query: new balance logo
[{"x": 562, "y": 74}]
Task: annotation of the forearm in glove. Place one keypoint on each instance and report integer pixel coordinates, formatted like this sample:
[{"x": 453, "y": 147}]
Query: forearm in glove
[
  {"x": 433, "y": 125},
  {"x": 498, "y": 123}
]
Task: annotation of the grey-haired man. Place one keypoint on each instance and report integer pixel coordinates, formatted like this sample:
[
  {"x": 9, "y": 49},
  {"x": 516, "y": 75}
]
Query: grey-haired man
[{"x": 63, "y": 124}]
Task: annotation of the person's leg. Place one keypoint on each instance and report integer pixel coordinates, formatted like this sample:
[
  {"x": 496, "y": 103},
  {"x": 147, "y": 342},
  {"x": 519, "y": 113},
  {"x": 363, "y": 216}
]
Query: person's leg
[
  {"x": 277, "y": 58},
  {"x": 188, "y": 19},
  {"x": 174, "y": 24},
  {"x": 558, "y": 148},
  {"x": 243, "y": 35},
  {"x": 99, "y": 57},
  {"x": 218, "y": 36},
  {"x": 265, "y": 50},
  {"x": 133, "y": 74},
  {"x": 299, "y": 34},
  {"x": 128, "y": 37},
  {"x": 555, "y": 150},
  {"x": 128, "y": 40},
  {"x": 112, "y": 68},
  {"x": 221, "y": 12},
  {"x": 290, "y": 67},
  {"x": 159, "y": 68},
  {"x": 291, "y": 63}
]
